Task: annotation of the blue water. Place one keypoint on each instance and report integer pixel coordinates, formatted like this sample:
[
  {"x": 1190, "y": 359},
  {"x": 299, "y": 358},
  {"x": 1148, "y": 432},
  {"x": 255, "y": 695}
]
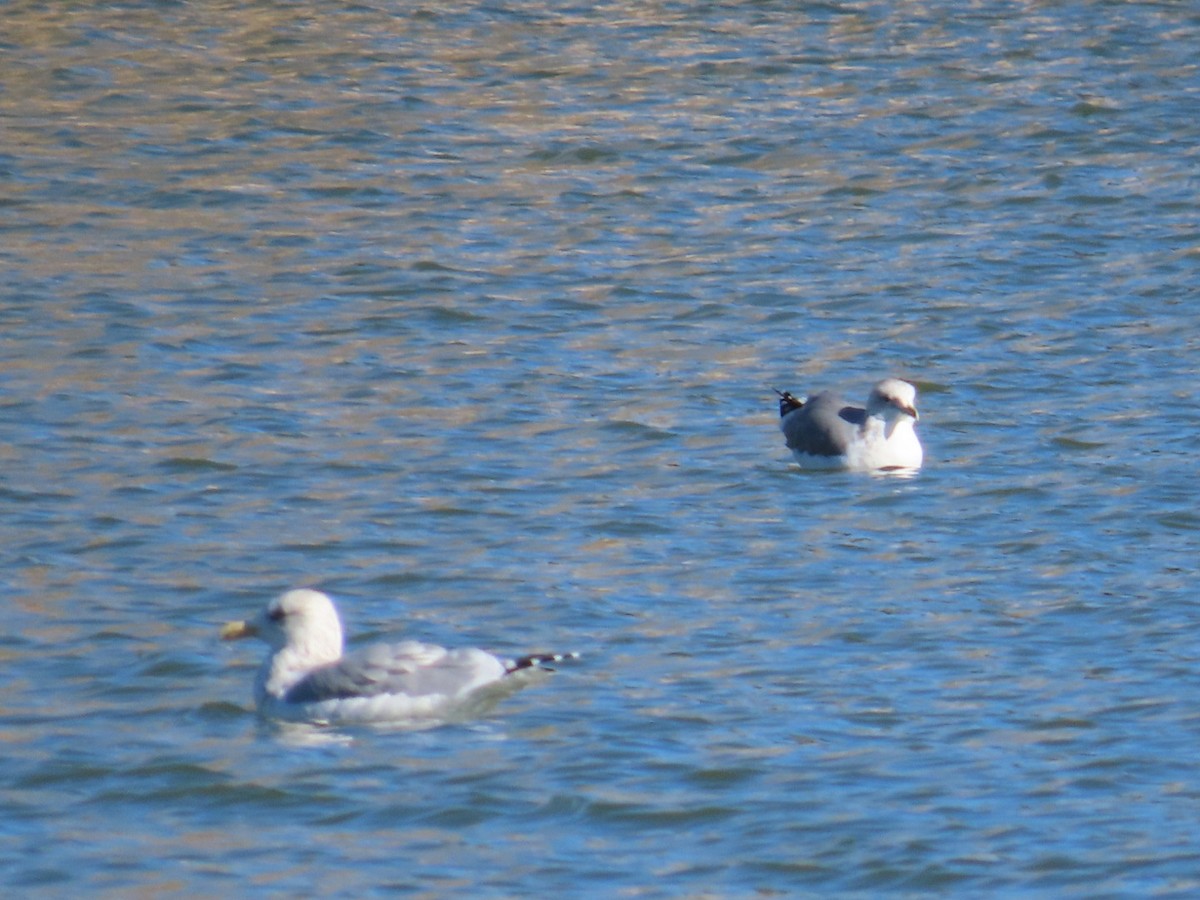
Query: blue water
[{"x": 472, "y": 318}]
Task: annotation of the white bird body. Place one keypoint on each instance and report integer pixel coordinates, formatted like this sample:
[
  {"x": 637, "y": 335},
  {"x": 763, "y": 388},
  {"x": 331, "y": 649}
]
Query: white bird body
[
  {"x": 307, "y": 678},
  {"x": 826, "y": 432}
]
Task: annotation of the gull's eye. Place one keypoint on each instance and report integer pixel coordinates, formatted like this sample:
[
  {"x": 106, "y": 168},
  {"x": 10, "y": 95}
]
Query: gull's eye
[{"x": 276, "y": 614}]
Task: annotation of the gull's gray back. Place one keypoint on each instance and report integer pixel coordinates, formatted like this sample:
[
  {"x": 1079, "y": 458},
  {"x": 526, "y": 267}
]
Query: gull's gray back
[
  {"x": 410, "y": 668},
  {"x": 823, "y": 426}
]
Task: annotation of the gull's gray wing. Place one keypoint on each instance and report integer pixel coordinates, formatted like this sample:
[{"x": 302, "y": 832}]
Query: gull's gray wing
[
  {"x": 824, "y": 426},
  {"x": 410, "y": 668}
]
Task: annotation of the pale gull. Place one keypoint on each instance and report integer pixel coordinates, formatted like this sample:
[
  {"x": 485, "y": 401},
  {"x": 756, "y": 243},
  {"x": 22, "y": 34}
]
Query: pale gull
[
  {"x": 824, "y": 431},
  {"x": 305, "y": 677}
]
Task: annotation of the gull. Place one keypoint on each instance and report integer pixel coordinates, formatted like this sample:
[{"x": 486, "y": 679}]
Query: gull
[
  {"x": 823, "y": 431},
  {"x": 306, "y": 678}
]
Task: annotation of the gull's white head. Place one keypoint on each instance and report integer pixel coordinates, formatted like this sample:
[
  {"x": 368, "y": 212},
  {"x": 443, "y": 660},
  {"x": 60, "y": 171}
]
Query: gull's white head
[
  {"x": 303, "y": 621},
  {"x": 892, "y": 397}
]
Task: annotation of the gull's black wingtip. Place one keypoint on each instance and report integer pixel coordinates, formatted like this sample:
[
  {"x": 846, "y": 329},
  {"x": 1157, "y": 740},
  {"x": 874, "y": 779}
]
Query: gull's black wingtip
[
  {"x": 788, "y": 402},
  {"x": 539, "y": 661}
]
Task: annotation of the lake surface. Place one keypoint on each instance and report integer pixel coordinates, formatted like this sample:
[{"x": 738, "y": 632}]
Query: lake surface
[{"x": 472, "y": 317}]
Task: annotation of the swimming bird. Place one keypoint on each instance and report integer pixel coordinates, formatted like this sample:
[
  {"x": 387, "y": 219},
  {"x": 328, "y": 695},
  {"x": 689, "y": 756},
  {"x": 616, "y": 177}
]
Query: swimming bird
[
  {"x": 823, "y": 431},
  {"x": 306, "y": 678}
]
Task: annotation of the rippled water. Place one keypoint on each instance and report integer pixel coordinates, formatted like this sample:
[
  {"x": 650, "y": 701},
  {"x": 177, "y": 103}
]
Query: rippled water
[{"x": 472, "y": 317}]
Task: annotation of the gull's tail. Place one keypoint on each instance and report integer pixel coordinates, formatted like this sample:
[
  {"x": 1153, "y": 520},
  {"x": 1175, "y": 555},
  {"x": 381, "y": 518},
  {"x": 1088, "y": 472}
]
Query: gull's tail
[
  {"x": 789, "y": 402},
  {"x": 537, "y": 661}
]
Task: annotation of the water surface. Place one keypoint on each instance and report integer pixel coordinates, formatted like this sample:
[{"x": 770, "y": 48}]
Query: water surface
[{"x": 472, "y": 318}]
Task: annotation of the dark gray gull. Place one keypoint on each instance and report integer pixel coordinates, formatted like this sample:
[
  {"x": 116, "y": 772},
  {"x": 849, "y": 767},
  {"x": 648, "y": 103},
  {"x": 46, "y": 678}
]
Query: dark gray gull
[
  {"x": 824, "y": 431},
  {"x": 305, "y": 677}
]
